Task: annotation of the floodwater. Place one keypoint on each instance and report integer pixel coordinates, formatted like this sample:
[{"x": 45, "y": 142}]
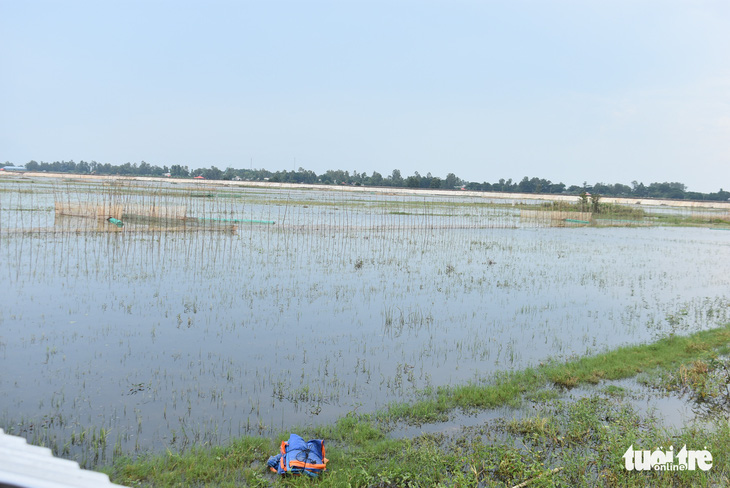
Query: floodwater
[{"x": 344, "y": 304}]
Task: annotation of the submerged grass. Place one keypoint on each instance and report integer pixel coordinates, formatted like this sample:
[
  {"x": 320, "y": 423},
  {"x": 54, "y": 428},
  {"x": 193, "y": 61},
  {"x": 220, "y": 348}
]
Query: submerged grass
[
  {"x": 606, "y": 210},
  {"x": 509, "y": 388},
  {"x": 564, "y": 443},
  {"x": 696, "y": 220}
]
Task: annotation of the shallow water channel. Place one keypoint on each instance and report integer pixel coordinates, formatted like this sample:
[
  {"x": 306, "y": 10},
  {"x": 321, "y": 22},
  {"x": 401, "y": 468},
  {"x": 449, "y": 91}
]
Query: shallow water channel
[{"x": 119, "y": 341}]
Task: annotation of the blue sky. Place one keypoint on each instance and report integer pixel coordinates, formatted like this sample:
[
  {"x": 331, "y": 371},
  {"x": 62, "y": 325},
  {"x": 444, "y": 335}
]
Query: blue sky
[{"x": 572, "y": 91}]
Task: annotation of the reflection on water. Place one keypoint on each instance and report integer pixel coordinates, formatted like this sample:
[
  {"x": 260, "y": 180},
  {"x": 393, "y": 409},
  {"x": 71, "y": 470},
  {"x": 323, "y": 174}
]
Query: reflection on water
[{"x": 175, "y": 337}]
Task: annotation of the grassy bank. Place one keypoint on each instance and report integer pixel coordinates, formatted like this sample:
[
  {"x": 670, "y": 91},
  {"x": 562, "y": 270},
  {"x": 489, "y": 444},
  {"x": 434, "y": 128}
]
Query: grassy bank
[
  {"x": 509, "y": 388},
  {"x": 562, "y": 443}
]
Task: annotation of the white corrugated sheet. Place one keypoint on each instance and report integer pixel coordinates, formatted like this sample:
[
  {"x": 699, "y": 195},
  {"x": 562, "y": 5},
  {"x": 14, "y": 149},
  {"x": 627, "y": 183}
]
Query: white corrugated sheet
[{"x": 26, "y": 466}]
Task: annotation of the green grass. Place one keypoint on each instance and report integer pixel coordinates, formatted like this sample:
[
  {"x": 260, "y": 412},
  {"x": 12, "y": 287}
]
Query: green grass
[
  {"x": 233, "y": 465},
  {"x": 696, "y": 220}
]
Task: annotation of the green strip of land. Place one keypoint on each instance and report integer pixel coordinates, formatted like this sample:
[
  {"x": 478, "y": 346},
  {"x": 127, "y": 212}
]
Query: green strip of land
[{"x": 508, "y": 388}]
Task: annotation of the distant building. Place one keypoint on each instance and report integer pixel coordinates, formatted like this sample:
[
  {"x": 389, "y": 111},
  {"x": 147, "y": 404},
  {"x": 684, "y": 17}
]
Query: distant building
[{"x": 13, "y": 168}]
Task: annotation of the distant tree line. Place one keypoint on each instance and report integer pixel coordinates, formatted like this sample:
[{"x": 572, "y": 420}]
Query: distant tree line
[{"x": 672, "y": 190}]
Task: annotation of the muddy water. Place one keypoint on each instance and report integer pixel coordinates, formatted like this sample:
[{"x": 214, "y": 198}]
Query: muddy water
[{"x": 179, "y": 338}]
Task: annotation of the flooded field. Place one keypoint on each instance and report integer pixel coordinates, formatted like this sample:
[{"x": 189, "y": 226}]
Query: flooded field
[{"x": 229, "y": 311}]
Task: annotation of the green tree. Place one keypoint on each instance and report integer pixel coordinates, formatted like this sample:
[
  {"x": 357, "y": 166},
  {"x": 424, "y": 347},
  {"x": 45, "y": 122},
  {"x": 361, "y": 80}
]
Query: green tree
[
  {"x": 583, "y": 201},
  {"x": 212, "y": 174},
  {"x": 376, "y": 179},
  {"x": 144, "y": 169},
  {"x": 557, "y": 188},
  {"x": 228, "y": 174},
  {"x": 638, "y": 190},
  {"x": 451, "y": 181},
  {"x": 179, "y": 171},
  {"x": 83, "y": 167},
  {"x": 414, "y": 181},
  {"x": 595, "y": 200},
  {"x": 526, "y": 185}
]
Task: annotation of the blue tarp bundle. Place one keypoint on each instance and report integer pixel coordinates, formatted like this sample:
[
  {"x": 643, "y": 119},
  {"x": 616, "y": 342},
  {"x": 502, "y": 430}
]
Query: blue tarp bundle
[{"x": 299, "y": 457}]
